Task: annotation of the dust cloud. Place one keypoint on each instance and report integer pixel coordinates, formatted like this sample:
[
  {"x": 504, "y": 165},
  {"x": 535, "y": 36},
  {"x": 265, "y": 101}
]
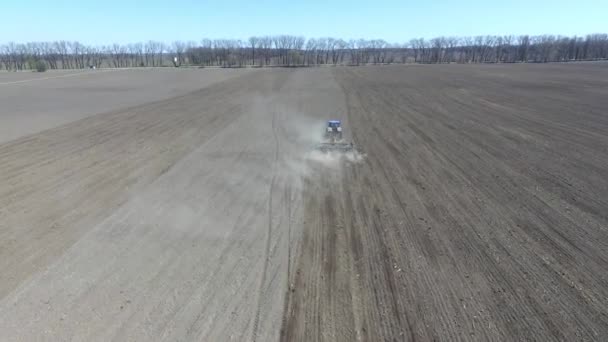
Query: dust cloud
[
  {"x": 334, "y": 158},
  {"x": 307, "y": 133}
]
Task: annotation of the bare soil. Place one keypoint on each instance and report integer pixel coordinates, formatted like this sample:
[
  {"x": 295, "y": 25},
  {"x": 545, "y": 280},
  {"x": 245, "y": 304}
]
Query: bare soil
[
  {"x": 476, "y": 207},
  {"x": 33, "y": 101},
  {"x": 479, "y": 213}
]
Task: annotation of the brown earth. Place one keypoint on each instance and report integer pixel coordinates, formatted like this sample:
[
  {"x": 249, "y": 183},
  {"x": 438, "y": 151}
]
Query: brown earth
[
  {"x": 32, "y": 101},
  {"x": 478, "y": 210}
]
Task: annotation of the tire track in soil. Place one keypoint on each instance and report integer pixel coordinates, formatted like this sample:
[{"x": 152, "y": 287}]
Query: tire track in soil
[{"x": 261, "y": 289}]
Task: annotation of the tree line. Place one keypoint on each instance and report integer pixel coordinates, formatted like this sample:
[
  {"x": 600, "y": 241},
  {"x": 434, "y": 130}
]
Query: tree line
[{"x": 287, "y": 50}]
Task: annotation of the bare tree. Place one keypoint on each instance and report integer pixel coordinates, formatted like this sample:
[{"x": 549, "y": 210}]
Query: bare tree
[
  {"x": 179, "y": 48},
  {"x": 253, "y": 43},
  {"x": 523, "y": 48},
  {"x": 289, "y": 50}
]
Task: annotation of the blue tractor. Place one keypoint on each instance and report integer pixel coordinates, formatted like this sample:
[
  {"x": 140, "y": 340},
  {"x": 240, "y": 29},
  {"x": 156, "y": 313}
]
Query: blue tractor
[
  {"x": 334, "y": 131},
  {"x": 333, "y": 139}
]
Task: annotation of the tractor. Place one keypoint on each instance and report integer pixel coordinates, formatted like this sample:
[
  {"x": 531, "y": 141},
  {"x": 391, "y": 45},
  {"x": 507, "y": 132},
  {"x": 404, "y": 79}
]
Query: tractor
[
  {"x": 333, "y": 132},
  {"x": 333, "y": 139}
]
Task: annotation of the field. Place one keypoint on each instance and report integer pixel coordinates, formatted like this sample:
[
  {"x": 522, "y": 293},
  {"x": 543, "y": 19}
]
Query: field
[
  {"x": 165, "y": 204},
  {"x": 32, "y": 102}
]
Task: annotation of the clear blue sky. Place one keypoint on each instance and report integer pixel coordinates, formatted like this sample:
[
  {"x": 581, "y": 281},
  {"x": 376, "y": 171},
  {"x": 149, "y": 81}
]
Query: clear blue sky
[{"x": 108, "y": 21}]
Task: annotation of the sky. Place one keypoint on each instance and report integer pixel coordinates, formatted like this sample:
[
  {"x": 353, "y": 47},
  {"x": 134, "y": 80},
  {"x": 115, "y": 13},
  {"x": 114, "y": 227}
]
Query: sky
[{"x": 113, "y": 21}]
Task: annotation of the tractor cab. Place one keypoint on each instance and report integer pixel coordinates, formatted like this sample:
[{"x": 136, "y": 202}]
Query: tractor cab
[
  {"x": 334, "y": 126},
  {"x": 334, "y": 130}
]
